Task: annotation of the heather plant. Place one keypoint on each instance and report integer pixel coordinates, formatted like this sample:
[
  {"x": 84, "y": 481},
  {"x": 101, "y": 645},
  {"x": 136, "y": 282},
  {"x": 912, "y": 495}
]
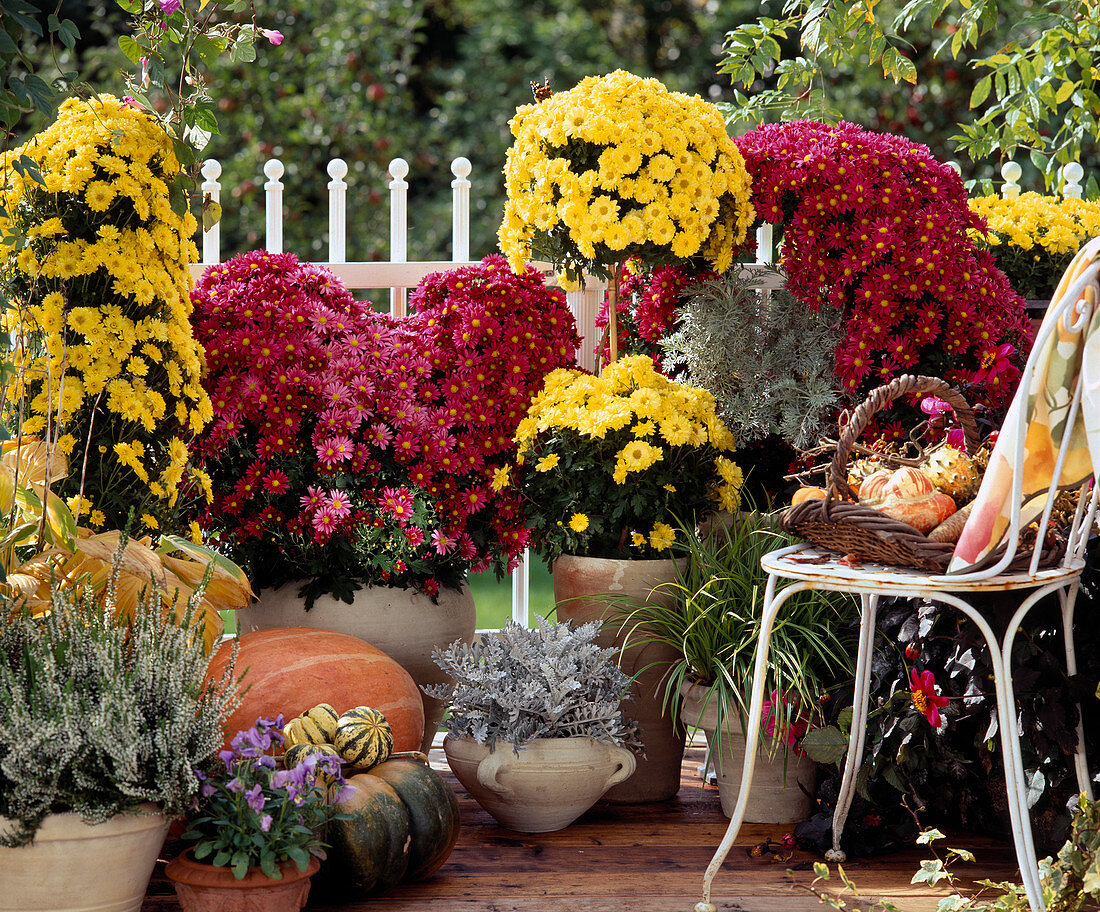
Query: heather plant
[
  {"x": 106, "y": 365},
  {"x": 99, "y": 715},
  {"x": 251, "y": 814},
  {"x": 767, "y": 359},
  {"x": 874, "y": 226},
  {"x": 1034, "y": 237},
  {"x": 520, "y": 683}
]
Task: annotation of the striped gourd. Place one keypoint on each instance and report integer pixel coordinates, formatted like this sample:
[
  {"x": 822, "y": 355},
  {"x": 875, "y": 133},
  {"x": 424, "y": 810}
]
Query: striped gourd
[
  {"x": 363, "y": 737},
  {"x": 296, "y": 753},
  {"x": 326, "y": 718},
  {"x": 303, "y": 731}
]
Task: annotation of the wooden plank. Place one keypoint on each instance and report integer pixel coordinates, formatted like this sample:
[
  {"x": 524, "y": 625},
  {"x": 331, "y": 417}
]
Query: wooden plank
[{"x": 604, "y": 862}]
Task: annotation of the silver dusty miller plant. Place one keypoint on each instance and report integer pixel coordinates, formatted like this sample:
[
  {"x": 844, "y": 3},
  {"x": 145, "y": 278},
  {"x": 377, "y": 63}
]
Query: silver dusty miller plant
[
  {"x": 519, "y": 684},
  {"x": 767, "y": 359},
  {"x": 99, "y": 715}
]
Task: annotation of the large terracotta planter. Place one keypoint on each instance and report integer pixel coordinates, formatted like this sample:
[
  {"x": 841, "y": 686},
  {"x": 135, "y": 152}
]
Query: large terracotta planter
[
  {"x": 205, "y": 888},
  {"x": 583, "y": 590},
  {"x": 403, "y": 623},
  {"x": 775, "y": 796},
  {"x": 72, "y": 865},
  {"x": 546, "y": 786}
]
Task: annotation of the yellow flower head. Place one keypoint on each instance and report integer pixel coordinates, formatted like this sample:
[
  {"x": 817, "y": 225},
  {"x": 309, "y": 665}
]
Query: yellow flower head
[
  {"x": 578, "y": 522},
  {"x": 662, "y": 536}
]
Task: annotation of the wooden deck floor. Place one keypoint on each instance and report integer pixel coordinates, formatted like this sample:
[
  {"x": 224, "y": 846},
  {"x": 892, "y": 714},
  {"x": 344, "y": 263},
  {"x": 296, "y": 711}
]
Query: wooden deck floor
[{"x": 644, "y": 859}]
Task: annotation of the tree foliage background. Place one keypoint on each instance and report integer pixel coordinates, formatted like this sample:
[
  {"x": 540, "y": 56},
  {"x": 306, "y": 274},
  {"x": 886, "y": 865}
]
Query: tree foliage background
[{"x": 429, "y": 80}]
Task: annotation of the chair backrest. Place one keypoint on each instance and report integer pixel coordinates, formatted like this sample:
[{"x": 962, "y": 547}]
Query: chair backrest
[{"x": 1064, "y": 328}]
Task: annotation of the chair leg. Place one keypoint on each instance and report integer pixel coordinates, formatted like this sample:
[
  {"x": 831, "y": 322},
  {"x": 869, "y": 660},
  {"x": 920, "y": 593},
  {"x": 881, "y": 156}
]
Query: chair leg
[
  {"x": 1016, "y": 787},
  {"x": 1080, "y": 759},
  {"x": 772, "y": 604},
  {"x": 857, "y": 737}
]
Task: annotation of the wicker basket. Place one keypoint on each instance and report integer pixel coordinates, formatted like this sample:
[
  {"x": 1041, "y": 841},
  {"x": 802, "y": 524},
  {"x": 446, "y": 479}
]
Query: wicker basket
[{"x": 839, "y": 524}]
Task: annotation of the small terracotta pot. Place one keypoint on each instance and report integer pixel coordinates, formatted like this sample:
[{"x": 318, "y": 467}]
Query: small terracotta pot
[{"x": 206, "y": 888}]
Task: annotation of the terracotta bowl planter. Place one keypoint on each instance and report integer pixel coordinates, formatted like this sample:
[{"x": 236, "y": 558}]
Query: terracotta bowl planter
[
  {"x": 73, "y": 865},
  {"x": 205, "y": 888},
  {"x": 548, "y": 785}
]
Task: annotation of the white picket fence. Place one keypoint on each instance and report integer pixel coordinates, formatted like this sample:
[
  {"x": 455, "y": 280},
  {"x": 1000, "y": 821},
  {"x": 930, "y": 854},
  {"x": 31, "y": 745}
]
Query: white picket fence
[{"x": 398, "y": 274}]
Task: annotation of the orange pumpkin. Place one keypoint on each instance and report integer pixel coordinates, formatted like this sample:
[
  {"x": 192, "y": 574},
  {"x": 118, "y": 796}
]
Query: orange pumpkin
[
  {"x": 907, "y": 495},
  {"x": 291, "y": 669},
  {"x": 871, "y": 488},
  {"x": 811, "y": 492},
  {"x": 923, "y": 513}
]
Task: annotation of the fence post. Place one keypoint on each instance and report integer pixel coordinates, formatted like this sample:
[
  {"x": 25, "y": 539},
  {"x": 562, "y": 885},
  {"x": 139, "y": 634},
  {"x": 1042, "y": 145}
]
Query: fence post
[
  {"x": 273, "y": 170},
  {"x": 211, "y": 189},
  {"x": 460, "y": 210},
  {"x": 1011, "y": 172},
  {"x": 1071, "y": 177},
  {"x": 337, "y": 211},
  {"x": 399, "y": 191},
  {"x": 765, "y": 243}
]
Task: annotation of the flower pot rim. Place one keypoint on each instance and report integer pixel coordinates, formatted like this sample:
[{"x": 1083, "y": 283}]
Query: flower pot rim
[
  {"x": 178, "y": 868},
  {"x": 571, "y": 740}
]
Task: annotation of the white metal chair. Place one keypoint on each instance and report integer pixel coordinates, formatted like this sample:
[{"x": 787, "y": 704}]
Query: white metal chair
[{"x": 1075, "y": 309}]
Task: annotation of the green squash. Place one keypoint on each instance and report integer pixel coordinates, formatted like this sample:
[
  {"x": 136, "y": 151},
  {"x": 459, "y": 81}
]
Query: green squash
[
  {"x": 402, "y": 823},
  {"x": 325, "y": 717}
]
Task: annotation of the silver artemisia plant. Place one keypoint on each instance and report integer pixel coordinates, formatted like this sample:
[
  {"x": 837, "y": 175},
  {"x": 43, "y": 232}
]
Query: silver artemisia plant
[
  {"x": 99, "y": 715},
  {"x": 519, "y": 683},
  {"x": 767, "y": 359}
]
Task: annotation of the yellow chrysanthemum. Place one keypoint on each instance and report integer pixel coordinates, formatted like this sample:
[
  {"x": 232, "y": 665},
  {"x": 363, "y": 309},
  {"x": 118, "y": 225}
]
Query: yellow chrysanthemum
[
  {"x": 547, "y": 463},
  {"x": 662, "y": 536},
  {"x": 578, "y": 522}
]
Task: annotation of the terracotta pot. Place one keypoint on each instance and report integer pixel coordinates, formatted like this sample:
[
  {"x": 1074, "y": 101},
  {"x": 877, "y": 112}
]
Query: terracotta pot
[
  {"x": 205, "y": 888},
  {"x": 583, "y": 590},
  {"x": 546, "y": 786},
  {"x": 403, "y": 623},
  {"x": 775, "y": 796},
  {"x": 72, "y": 865}
]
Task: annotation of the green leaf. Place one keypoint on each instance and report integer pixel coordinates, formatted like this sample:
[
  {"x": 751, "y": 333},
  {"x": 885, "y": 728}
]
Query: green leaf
[
  {"x": 209, "y": 49},
  {"x": 170, "y": 543},
  {"x": 68, "y": 33},
  {"x": 132, "y": 49},
  {"x": 927, "y": 837},
  {"x": 931, "y": 872},
  {"x": 243, "y": 49},
  {"x": 825, "y": 745},
  {"x": 952, "y": 903},
  {"x": 821, "y": 870},
  {"x": 963, "y": 854},
  {"x": 41, "y": 94},
  {"x": 24, "y": 16},
  {"x": 981, "y": 91},
  {"x": 7, "y": 46}
]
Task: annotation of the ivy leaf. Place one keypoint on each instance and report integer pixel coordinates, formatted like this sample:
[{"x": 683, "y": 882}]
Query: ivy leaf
[
  {"x": 1036, "y": 784},
  {"x": 931, "y": 872}
]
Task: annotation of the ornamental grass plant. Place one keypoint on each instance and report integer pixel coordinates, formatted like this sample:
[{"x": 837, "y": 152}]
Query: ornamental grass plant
[
  {"x": 605, "y": 463},
  {"x": 714, "y": 622},
  {"x": 106, "y": 365},
  {"x": 1034, "y": 237}
]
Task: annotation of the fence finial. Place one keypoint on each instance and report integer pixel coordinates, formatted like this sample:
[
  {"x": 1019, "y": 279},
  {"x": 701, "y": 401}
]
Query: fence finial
[
  {"x": 273, "y": 171},
  {"x": 337, "y": 211},
  {"x": 1011, "y": 172},
  {"x": 399, "y": 227},
  {"x": 460, "y": 210},
  {"x": 210, "y": 188},
  {"x": 1071, "y": 177}
]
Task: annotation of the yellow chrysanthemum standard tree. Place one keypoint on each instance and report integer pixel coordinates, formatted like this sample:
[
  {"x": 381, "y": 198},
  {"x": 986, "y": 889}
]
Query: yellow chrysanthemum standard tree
[
  {"x": 106, "y": 366},
  {"x": 608, "y": 466},
  {"x": 619, "y": 166}
]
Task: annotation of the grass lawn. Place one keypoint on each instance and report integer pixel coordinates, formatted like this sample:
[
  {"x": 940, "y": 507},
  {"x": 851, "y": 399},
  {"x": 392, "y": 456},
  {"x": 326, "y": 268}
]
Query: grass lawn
[{"x": 494, "y": 599}]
